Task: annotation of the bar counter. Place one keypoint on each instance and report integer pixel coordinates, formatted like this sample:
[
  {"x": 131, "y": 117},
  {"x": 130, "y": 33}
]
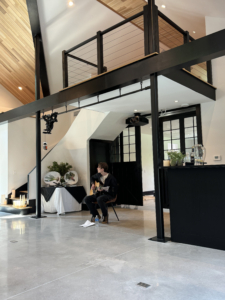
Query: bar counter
[{"x": 196, "y": 197}]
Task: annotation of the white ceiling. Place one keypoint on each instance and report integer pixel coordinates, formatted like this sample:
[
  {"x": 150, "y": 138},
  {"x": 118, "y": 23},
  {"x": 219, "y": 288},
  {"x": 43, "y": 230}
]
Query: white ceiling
[{"x": 190, "y": 15}]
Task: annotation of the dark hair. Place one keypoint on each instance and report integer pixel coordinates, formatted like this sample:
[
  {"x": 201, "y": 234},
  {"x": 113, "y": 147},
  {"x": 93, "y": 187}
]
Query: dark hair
[{"x": 103, "y": 165}]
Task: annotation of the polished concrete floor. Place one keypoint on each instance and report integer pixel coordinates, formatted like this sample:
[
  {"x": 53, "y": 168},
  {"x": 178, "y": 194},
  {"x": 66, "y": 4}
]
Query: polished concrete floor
[{"x": 54, "y": 258}]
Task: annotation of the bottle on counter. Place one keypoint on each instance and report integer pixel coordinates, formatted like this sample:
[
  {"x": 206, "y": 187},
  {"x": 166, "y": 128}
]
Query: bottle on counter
[{"x": 193, "y": 155}]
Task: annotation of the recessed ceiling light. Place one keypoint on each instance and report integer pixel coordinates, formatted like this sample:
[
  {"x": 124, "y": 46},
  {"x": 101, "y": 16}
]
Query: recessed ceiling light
[
  {"x": 71, "y": 3},
  {"x": 193, "y": 31},
  {"x": 163, "y": 6},
  {"x": 176, "y": 101},
  {"x": 20, "y": 88}
]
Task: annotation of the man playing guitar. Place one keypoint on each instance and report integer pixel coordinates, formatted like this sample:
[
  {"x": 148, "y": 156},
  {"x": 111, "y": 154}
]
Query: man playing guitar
[{"x": 107, "y": 192}]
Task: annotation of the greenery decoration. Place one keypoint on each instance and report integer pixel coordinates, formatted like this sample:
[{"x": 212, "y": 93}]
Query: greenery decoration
[
  {"x": 176, "y": 157},
  {"x": 61, "y": 168}
]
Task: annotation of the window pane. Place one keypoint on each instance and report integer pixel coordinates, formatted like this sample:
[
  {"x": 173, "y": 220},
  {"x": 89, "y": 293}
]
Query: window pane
[
  {"x": 166, "y": 125},
  {"x": 188, "y": 122},
  {"x": 165, "y": 155},
  {"x": 126, "y": 157},
  {"x": 189, "y": 143},
  {"x": 132, "y": 148},
  {"x": 175, "y": 134},
  {"x": 176, "y": 144},
  {"x": 132, "y": 131},
  {"x": 195, "y": 121},
  {"x": 167, "y": 145},
  {"x": 175, "y": 124},
  {"x": 125, "y": 132},
  {"x": 166, "y": 135},
  {"x": 132, "y": 157},
  {"x": 125, "y": 140},
  {"x": 189, "y": 132},
  {"x": 126, "y": 149},
  {"x": 195, "y": 131},
  {"x": 132, "y": 139},
  {"x": 188, "y": 150}
]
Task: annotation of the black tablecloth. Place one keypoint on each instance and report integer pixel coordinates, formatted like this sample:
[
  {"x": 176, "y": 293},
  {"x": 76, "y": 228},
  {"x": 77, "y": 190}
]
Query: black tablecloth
[{"x": 76, "y": 192}]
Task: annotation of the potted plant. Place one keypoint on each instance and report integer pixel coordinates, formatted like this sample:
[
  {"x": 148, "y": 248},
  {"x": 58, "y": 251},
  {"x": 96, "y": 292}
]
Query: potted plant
[
  {"x": 180, "y": 158},
  {"x": 173, "y": 158},
  {"x": 61, "y": 168}
]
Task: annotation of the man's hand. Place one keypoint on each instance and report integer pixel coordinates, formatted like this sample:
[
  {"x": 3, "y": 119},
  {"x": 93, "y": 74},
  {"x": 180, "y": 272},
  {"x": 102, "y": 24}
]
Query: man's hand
[
  {"x": 93, "y": 186},
  {"x": 100, "y": 190}
]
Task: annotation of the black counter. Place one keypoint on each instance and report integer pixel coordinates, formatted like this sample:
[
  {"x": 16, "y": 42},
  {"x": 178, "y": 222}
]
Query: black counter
[{"x": 196, "y": 196}]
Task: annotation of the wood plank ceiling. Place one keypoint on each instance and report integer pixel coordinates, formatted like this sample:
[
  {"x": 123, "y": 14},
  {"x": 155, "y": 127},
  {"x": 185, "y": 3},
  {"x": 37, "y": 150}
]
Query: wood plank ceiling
[
  {"x": 16, "y": 50},
  {"x": 168, "y": 36}
]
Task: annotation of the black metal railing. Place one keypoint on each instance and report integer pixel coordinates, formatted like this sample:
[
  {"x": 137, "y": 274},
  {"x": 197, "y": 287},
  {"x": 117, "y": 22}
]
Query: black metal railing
[{"x": 122, "y": 43}]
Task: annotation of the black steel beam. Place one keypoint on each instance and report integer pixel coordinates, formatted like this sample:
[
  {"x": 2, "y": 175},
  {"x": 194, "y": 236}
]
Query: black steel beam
[
  {"x": 191, "y": 82},
  {"x": 203, "y": 49},
  {"x": 36, "y": 30}
]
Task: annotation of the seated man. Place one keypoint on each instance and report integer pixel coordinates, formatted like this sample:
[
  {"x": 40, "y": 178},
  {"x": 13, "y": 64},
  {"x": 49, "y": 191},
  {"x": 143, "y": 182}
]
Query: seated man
[{"x": 104, "y": 194}]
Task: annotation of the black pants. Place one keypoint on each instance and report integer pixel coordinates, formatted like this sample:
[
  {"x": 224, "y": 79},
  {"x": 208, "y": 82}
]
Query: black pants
[{"x": 89, "y": 200}]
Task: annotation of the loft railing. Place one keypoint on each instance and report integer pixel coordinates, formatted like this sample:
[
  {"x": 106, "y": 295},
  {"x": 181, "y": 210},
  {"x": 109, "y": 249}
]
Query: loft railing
[{"x": 122, "y": 43}]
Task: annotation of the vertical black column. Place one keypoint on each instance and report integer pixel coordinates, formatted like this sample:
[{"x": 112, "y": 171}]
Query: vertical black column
[
  {"x": 38, "y": 128},
  {"x": 65, "y": 69},
  {"x": 151, "y": 28},
  {"x": 186, "y": 40},
  {"x": 121, "y": 147},
  {"x": 199, "y": 123},
  {"x": 151, "y": 35},
  {"x": 138, "y": 161},
  {"x": 156, "y": 158},
  {"x": 100, "y": 52},
  {"x": 209, "y": 71}
]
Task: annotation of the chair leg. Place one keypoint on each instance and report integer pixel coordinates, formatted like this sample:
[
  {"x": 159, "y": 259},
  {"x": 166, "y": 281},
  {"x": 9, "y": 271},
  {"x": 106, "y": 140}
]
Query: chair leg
[{"x": 115, "y": 212}]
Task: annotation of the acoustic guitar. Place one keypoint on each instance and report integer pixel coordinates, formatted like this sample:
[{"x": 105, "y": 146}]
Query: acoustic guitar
[
  {"x": 94, "y": 192},
  {"x": 98, "y": 185}
]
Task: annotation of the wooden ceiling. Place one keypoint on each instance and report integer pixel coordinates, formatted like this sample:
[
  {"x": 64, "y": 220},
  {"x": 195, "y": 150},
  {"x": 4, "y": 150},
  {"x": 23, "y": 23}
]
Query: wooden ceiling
[
  {"x": 168, "y": 36},
  {"x": 16, "y": 50}
]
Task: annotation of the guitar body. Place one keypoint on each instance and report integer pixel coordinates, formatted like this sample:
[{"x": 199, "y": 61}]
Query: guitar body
[{"x": 94, "y": 192}]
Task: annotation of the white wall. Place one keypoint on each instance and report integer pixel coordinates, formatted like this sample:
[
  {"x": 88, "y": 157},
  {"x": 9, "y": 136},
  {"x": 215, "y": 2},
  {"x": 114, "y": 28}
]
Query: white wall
[
  {"x": 213, "y": 114},
  {"x": 22, "y": 145},
  {"x": 4, "y": 160},
  {"x": 147, "y": 159},
  {"x": 7, "y": 100},
  {"x": 72, "y": 148}
]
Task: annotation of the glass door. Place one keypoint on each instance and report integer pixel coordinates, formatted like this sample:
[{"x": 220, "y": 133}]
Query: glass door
[{"x": 179, "y": 133}]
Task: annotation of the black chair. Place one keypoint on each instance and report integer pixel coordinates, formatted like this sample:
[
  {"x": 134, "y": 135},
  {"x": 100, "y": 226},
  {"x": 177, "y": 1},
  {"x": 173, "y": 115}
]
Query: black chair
[{"x": 111, "y": 202}]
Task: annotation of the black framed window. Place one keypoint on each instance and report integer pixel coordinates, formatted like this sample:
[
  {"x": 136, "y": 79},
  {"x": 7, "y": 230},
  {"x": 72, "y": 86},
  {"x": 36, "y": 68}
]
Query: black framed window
[
  {"x": 115, "y": 151},
  {"x": 129, "y": 144},
  {"x": 179, "y": 132}
]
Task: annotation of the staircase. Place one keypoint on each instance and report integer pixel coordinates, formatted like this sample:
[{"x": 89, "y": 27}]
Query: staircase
[{"x": 9, "y": 208}]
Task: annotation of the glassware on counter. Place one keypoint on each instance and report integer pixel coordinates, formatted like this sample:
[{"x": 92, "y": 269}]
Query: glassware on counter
[{"x": 200, "y": 153}]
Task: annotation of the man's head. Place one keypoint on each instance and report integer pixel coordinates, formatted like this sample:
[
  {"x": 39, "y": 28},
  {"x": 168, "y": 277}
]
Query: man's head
[{"x": 102, "y": 167}]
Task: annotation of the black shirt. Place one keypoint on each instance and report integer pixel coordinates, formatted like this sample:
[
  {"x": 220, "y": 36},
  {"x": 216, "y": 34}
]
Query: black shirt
[{"x": 109, "y": 181}]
